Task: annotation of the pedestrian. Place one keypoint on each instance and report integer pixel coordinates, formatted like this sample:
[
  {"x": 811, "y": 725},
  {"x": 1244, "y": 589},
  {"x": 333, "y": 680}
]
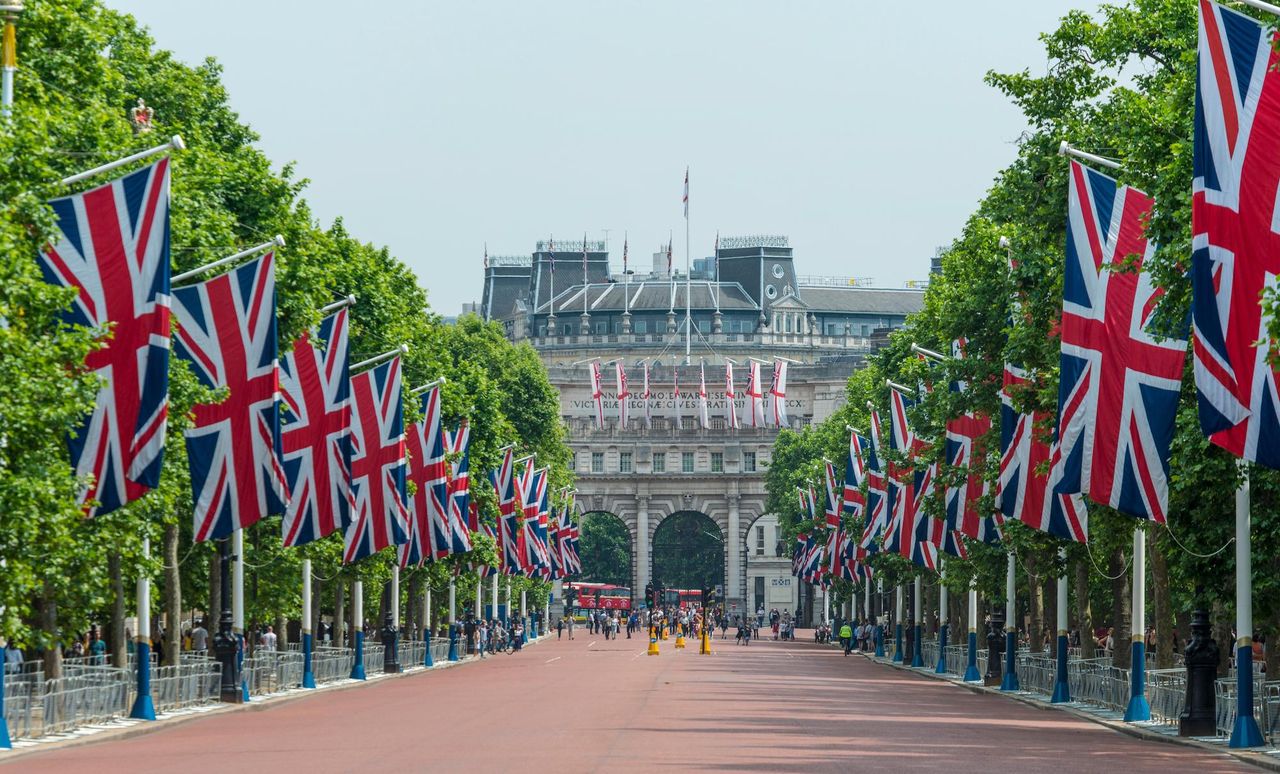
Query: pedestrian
[
  {"x": 560, "y": 627},
  {"x": 518, "y": 634},
  {"x": 269, "y": 640},
  {"x": 483, "y": 635},
  {"x": 846, "y": 636},
  {"x": 573, "y": 621},
  {"x": 199, "y": 639}
]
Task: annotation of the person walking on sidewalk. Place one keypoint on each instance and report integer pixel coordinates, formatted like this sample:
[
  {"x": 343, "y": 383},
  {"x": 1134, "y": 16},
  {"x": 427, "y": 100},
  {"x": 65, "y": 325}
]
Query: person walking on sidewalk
[{"x": 846, "y": 637}]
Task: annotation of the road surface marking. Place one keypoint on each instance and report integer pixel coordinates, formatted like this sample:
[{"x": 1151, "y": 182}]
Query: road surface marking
[{"x": 557, "y": 658}]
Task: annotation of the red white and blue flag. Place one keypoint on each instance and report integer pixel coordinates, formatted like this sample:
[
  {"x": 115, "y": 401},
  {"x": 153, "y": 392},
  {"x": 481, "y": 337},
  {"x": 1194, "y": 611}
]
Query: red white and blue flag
[
  {"x": 1118, "y": 391},
  {"x": 460, "y": 489},
  {"x": 316, "y": 432},
  {"x": 504, "y": 486},
  {"x": 380, "y": 514},
  {"x": 965, "y": 449},
  {"x": 1235, "y": 251},
  {"x": 1023, "y": 491},
  {"x": 877, "y": 487},
  {"x": 902, "y": 477},
  {"x": 227, "y": 334},
  {"x": 113, "y": 248}
]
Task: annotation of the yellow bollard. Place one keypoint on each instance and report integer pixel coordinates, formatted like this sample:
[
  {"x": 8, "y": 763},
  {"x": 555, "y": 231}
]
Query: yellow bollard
[
  {"x": 653, "y": 643},
  {"x": 664, "y": 632},
  {"x": 680, "y": 641},
  {"x": 705, "y": 649}
]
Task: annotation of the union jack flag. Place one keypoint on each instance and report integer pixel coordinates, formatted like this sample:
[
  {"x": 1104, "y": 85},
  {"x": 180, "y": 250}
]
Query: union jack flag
[
  {"x": 503, "y": 480},
  {"x": 597, "y": 394},
  {"x": 877, "y": 487},
  {"x": 554, "y": 554},
  {"x": 1118, "y": 393},
  {"x": 903, "y": 478},
  {"x": 429, "y": 471},
  {"x": 965, "y": 449},
  {"x": 854, "y": 502},
  {"x": 730, "y": 399},
  {"x": 380, "y": 513},
  {"x": 316, "y": 432},
  {"x": 831, "y": 510},
  {"x": 1022, "y": 492},
  {"x": 917, "y": 540},
  {"x": 228, "y": 336},
  {"x": 534, "y": 560},
  {"x": 1235, "y": 251},
  {"x": 460, "y": 488},
  {"x": 778, "y": 393},
  {"x": 573, "y": 560},
  {"x": 113, "y": 247}
]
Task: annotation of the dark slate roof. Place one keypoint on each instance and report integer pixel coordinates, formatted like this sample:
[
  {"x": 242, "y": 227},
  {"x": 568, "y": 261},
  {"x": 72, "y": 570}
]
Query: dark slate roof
[
  {"x": 649, "y": 296},
  {"x": 863, "y": 300}
]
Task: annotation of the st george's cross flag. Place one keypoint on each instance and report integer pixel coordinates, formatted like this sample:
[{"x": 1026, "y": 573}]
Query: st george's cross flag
[
  {"x": 778, "y": 394},
  {"x": 597, "y": 394},
  {"x": 704, "y": 421},
  {"x": 316, "y": 432},
  {"x": 227, "y": 334},
  {"x": 112, "y": 246},
  {"x": 965, "y": 449},
  {"x": 755, "y": 395},
  {"x": 730, "y": 399},
  {"x": 428, "y": 509},
  {"x": 503, "y": 480},
  {"x": 1118, "y": 391},
  {"x": 380, "y": 514},
  {"x": 647, "y": 398},
  {"x": 460, "y": 488},
  {"x": 1235, "y": 249},
  {"x": 624, "y": 397},
  {"x": 1024, "y": 490}
]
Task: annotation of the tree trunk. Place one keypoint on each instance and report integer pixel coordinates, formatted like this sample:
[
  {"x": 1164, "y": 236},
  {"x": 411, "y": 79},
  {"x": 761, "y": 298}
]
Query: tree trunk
[
  {"x": 1161, "y": 605},
  {"x": 116, "y": 643},
  {"x": 213, "y": 617},
  {"x": 1223, "y": 623},
  {"x": 282, "y": 632},
  {"x": 1084, "y": 611},
  {"x": 172, "y": 595},
  {"x": 1120, "y": 610},
  {"x": 339, "y": 612},
  {"x": 49, "y": 625}
]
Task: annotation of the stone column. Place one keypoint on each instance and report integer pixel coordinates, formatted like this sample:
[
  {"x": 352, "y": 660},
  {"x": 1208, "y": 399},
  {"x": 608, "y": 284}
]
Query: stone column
[
  {"x": 641, "y": 548},
  {"x": 733, "y": 584}
]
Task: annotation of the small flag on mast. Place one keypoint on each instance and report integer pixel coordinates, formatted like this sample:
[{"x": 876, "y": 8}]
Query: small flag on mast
[
  {"x": 624, "y": 253},
  {"x": 486, "y": 255},
  {"x": 686, "y": 193},
  {"x": 669, "y": 258},
  {"x": 551, "y": 253},
  {"x": 584, "y": 258}
]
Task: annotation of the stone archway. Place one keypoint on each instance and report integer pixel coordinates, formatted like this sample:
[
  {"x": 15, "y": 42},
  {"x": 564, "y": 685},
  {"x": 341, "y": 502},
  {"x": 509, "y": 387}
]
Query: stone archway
[{"x": 688, "y": 551}]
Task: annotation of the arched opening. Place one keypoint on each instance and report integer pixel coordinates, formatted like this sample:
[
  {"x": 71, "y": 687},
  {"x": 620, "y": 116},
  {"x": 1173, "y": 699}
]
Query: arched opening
[
  {"x": 688, "y": 552},
  {"x": 769, "y": 584},
  {"x": 605, "y": 548}
]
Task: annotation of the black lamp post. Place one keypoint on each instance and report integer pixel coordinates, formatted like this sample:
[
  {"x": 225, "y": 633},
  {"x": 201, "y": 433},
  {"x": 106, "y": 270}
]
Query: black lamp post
[
  {"x": 995, "y": 646},
  {"x": 1199, "y": 716},
  {"x": 224, "y": 642},
  {"x": 390, "y": 635}
]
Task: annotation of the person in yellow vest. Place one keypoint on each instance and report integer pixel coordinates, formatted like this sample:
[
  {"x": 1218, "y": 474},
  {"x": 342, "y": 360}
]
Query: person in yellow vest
[{"x": 846, "y": 637}]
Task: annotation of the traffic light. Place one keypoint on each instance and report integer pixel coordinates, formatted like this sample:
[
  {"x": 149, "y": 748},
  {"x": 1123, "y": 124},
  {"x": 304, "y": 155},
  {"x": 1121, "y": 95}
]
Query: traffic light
[
  {"x": 648, "y": 596},
  {"x": 709, "y": 596}
]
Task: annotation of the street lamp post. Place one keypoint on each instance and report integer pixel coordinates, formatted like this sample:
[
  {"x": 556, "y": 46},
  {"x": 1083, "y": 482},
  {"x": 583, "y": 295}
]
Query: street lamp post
[{"x": 224, "y": 642}]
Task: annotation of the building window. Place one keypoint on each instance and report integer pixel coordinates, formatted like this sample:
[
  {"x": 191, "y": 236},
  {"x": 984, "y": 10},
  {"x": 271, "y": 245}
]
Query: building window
[
  {"x": 659, "y": 462},
  {"x": 759, "y": 541},
  {"x": 717, "y": 462},
  {"x": 624, "y": 462},
  {"x": 640, "y": 326},
  {"x": 688, "y": 423},
  {"x": 602, "y": 327},
  {"x": 686, "y": 462},
  {"x": 748, "y": 462},
  {"x": 597, "y": 462},
  {"x": 759, "y": 589}
]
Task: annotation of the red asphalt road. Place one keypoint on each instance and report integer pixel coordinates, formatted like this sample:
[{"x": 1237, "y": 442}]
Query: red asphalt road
[{"x": 593, "y": 705}]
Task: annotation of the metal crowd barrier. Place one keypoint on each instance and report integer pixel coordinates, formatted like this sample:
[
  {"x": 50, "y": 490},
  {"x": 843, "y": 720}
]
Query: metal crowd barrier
[
  {"x": 94, "y": 695},
  {"x": 190, "y": 684}
]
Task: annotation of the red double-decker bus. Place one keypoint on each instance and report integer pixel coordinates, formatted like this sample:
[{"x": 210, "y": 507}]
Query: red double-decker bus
[
  {"x": 598, "y": 596},
  {"x": 684, "y": 598}
]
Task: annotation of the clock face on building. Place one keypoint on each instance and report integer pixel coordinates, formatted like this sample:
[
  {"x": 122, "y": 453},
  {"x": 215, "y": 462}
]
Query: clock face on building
[{"x": 778, "y": 271}]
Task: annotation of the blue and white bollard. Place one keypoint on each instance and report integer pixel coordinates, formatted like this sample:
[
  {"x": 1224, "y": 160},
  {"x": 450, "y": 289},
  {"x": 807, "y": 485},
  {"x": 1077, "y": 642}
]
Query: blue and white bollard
[
  {"x": 897, "y": 625},
  {"x": 1138, "y": 708},
  {"x": 453, "y": 642},
  {"x": 1061, "y": 686},
  {"x": 357, "y": 616},
  {"x": 308, "y": 676},
  {"x": 1245, "y": 732},
  {"x": 1009, "y": 682},
  {"x": 942, "y": 648},
  {"x": 143, "y": 706},
  {"x": 971, "y": 674},
  {"x": 879, "y": 638},
  {"x": 237, "y": 607},
  {"x": 917, "y": 646},
  {"x": 426, "y": 639},
  {"x": 5, "y": 742}
]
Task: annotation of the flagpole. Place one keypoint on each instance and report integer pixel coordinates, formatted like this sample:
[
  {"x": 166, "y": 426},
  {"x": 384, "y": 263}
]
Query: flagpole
[
  {"x": 174, "y": 143},
  {"x": 917, "y": 651},
  {"x": 143, "y": 706},
  {"x": 898, "y": 604},
  {"x": 403, "y": 349},
  {"x": 1245, "y": 732},
  {"x": 277, "y": 241},
  {"x": 8, "y": 66},
  {"x": 942, "y": 618},
  {"x": 453, "y": 621},
  {"x": 971, "y": 670},
  {"x": 308, "y": 676},
  {"x": 357, "y": 621},
  {"x": 688, "y": 278},
  {"x": 237, "y": 605},
  {"x": 1061, "y": 685},
  {"x": 1010, "y": 680},
  {"x": 336, "y": 305}
]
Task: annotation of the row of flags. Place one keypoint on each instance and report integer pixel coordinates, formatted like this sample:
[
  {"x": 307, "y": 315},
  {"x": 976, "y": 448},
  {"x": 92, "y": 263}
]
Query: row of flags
[
  {"x": 762, "y": 408},
  {"x": 534, "y": 539},
  {"x": 334, "y": 457},
  {"x": 1120, "y": 376}
]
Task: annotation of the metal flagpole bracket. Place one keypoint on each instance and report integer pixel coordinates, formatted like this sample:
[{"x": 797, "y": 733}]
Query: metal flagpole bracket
[
  {"x": 919, "y": 350},
  {"x": 899, "y": 387},
  {"x": 584, "y": 362},
  {"x": 851, "y": 428},
  {"x": 403, "y": 349},
  {"x": 1261, "y": 6},
  {"x": 441, "y": 380},
  {"x": 277, "y": 241},
  {"x": 336, "y": 305},
  {"x": 1065, "y": 149},
  {"x": 174, "y": 143}
]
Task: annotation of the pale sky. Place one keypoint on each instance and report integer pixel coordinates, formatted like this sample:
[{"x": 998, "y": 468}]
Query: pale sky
[{"x": 862, "y": 131}]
